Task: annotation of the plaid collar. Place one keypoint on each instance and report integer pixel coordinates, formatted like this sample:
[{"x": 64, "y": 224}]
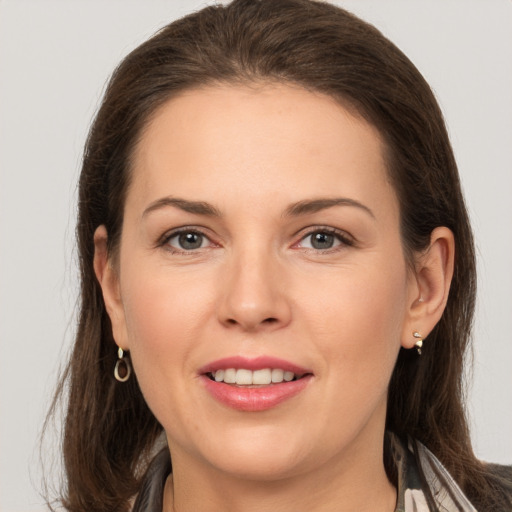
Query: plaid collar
[{"x": 424, "y": 484}]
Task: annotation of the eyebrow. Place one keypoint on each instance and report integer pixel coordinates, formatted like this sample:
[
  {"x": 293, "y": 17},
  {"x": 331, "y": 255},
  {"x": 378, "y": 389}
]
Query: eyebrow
[
  {"x": 294, "y": 210},
  {"x": 316, "y": 205},
  {"x": 197, "y": 207}
]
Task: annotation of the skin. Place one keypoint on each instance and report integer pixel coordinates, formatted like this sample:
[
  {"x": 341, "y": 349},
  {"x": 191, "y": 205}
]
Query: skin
[{"x": 257, "y": 286}]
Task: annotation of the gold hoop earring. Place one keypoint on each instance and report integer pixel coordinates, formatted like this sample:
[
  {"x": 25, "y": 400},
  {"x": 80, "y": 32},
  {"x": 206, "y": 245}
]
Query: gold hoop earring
[
  {"x": 419, "y": 341},
  {"x": 123, "y": 368}
]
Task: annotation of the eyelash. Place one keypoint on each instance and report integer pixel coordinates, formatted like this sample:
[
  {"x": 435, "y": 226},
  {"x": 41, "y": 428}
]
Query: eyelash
[
  {"x": 164, "y": 241},
  {"x": 344, "y": 239}
]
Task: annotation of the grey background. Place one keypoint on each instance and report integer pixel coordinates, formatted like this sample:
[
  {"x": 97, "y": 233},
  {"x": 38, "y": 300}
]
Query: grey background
[{"x": 54, "y": 59}]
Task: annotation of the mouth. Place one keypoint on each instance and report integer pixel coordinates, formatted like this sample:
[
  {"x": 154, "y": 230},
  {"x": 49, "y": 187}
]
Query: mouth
[
  {"x": 254, "y": 378},
  {"x": 252, "y": 385}
]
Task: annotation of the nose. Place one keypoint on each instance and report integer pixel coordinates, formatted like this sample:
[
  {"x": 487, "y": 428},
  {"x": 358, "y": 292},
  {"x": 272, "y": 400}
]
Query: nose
[{"x": 253, "y": 293}]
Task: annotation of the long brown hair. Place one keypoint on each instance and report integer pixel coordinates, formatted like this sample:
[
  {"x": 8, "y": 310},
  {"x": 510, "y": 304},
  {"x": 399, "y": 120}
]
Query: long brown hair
[{"x": 109, "y": 431}]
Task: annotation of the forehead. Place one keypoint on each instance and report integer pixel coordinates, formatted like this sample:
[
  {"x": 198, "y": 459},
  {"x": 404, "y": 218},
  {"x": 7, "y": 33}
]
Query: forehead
[{"x": 266, "y": 140}]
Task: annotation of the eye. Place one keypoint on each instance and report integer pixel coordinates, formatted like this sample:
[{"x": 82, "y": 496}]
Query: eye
[
  {"x": 188, "y": 241},
  {"x": 322, "y": 240}
]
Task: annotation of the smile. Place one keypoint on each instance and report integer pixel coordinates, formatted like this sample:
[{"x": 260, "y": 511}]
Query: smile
[
  {"x": 252, "y": 385},
  {"x": 244, "y": 377}
]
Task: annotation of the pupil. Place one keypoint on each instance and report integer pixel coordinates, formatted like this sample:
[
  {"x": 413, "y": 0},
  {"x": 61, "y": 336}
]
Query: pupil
[
  {"x": 190, "y": 240},
  {"x": 322, "y": 240}
]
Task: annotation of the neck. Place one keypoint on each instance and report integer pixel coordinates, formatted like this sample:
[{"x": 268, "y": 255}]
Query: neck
[{"x": 355, "y": 481}]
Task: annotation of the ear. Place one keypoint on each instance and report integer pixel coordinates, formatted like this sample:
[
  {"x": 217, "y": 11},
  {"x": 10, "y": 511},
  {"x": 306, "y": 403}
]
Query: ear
[
  {"x": 109, "y": 281},
  {"x": 429, "y": 286}
]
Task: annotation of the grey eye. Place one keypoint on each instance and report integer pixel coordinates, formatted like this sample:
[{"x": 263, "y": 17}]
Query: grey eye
[
  {"x": 188, "y": 241},
  {"x": 320, "y": 240}
]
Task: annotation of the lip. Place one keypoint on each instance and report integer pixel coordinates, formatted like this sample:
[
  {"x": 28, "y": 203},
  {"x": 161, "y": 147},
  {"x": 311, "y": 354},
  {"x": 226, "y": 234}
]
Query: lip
[
  {"x": 253, "y": 364},
  {"x": 254, "y": 399}
]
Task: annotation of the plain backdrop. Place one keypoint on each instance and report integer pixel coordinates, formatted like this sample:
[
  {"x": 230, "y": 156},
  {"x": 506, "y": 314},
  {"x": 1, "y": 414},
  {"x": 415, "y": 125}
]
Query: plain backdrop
[{"x": 54, "y": 59}]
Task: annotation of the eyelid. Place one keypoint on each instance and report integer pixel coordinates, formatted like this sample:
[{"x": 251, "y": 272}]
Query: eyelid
[
  {"x": 345, "y": 238},
  {"x": 164, "y": 239}
]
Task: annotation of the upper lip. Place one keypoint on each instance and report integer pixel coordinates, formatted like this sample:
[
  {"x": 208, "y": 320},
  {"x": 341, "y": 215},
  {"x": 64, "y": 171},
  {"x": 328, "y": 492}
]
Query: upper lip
[{"x": 256, "y": 363}]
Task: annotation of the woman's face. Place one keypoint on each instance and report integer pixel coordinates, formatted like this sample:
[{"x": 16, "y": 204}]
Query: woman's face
[{"x": 261, "y": 233}]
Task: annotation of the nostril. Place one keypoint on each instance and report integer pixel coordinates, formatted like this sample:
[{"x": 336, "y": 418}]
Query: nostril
[{"x": 269, "y": 320}]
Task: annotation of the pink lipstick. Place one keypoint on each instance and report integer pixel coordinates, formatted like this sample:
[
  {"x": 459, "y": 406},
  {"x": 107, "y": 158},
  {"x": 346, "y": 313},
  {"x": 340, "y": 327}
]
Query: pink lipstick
[{"x": 254, "y": 384}]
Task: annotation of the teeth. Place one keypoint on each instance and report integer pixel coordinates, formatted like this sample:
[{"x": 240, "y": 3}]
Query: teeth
[
  {"x": 288, "y": 376},
  {"x": 229, "y": 376},
  {"x": 277, "y": 375},
  {"x": 262, "y": 376},
  {"x": 243, "y": 377}
]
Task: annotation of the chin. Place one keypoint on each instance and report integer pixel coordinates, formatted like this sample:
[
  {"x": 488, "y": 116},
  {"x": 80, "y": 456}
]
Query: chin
[
  {"x": 269, "y": 466},
  {"x": 266, "y": 453}
]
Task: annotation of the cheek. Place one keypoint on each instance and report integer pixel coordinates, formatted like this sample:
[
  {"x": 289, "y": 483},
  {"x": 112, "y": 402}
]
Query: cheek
[
  {"x": 163, "y": 314},
  {"x": 356, "y": 317},
  {"x": 156, "y": 293},
  {"x": 163, "y": 317},
  {"x": 356, "y": 303}
]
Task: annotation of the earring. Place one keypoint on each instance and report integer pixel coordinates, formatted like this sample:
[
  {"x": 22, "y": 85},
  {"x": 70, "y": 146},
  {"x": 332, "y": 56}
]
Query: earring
[
  {"x": 419, "y": 341},
  {"x": 123, "y": 368}
]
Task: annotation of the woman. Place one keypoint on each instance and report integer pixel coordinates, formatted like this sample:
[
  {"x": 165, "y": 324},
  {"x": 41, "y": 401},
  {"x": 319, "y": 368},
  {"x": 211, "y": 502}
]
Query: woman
[{"x": 278, "y": 278}]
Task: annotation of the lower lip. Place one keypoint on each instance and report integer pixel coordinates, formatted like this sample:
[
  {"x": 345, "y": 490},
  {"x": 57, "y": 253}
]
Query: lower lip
[{"x": 255, "y": 399}]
